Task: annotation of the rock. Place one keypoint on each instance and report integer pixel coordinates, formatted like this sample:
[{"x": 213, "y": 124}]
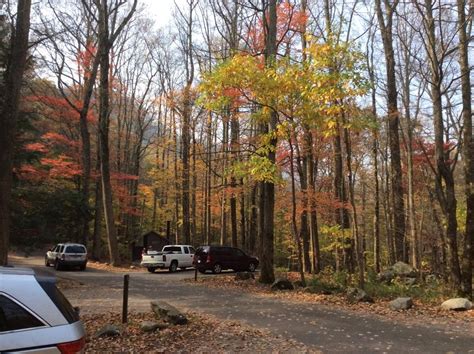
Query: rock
[
  {"x": 431, "y": 278},
  {"x": 404, "y": 270},
  {"x": 298, "y": 284},
  {"x": 358, "y": 295},
  {"x": 401, "y": 303},
  {"x": 282, "y": 284},
  {"x": 150, "y": 326},
  {"x": 386, "y": 276},
  {"x": 109, "y": 331},
  {"x": 457, "y": 304},
  {"x": 316, "y": 290},
  {"x": 244, "y": 276},
  {"x": 409, "y": 281},
  {"x": 168, "y": 313}
]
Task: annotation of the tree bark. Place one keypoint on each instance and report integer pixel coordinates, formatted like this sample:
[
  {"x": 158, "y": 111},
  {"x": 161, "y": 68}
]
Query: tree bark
[
  {"x": 9, "y": 108},
  {"x": 385, "y": 24},
  {"x": 468, "y": 149}
]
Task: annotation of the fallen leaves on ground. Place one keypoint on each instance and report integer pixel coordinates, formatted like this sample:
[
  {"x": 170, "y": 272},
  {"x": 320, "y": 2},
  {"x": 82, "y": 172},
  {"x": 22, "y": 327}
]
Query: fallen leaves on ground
[
  {"x": 419, "y": 312},
  {"x": 110, "y": 268},
  {"x": 201, "y": 334}
]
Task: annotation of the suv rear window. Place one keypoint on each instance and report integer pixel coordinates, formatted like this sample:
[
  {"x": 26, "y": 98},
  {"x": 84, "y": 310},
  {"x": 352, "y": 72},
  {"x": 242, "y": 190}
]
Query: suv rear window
[
  {"x": 63, "y": 305},
  {"x": 14, "y": 316},
  {"x": 202, "y": 250},
  {"x": 75, "y": 249}
]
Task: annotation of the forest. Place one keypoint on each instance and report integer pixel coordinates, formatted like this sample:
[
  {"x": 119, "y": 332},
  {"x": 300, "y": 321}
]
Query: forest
[{"x": 314, "y": 134}]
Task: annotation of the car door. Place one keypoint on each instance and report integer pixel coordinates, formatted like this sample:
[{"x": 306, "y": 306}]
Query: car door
[
  {"x": 239, "y": 259},
  {"x": 187, "y": 257},
  {"x": 51, "y": 254}
]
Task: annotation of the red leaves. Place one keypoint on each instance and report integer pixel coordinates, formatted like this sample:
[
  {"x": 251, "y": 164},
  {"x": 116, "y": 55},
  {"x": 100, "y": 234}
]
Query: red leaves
[{"x": 61, "y": 167}]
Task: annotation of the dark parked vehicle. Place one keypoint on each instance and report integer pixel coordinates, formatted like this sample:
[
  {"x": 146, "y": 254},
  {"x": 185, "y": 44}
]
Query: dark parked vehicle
[{"x": 218, "y": 258}]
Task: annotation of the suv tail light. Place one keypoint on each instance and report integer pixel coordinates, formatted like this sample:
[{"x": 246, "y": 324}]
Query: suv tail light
[
  {"x": 72, "y": 347},
  {"x": 208, "y": 259},
  {"x": 164, "y": 258}
]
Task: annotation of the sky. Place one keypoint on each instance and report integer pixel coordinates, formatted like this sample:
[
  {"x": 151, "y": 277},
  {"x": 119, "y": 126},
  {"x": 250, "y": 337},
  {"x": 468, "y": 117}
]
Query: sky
[{"x": 160, "y": 10}]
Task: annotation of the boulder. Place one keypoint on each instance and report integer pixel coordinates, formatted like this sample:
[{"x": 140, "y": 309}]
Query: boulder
[
  {"x": 408, "y": 281},
  {"x": 244, "y": 276},
  {"x": 150, "y": 326},
  {"x": 317, "y": 290},
  {"x": 298, "y": 284},
  {"x": 457, "y": 304},
  {"x": 401, "y": 303},
  {"x": 282, "y": 284},
  {"x": 358, "y": 295},
  {"x": 109, "y": 331},
  {"x": 168, "y": 313},
  {"x": 386, "y": 276},
  {"x": 402, "y": 269}
]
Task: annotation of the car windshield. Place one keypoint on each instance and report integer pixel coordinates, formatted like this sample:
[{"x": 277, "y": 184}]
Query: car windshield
[
  {"x": 76, "y": 249},
  {"x": 202, "y": 250}
]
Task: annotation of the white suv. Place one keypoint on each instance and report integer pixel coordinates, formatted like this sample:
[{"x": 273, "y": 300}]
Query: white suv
[
  {"x": 35, "y": 317},
  {"x": 67, "y": 254}
]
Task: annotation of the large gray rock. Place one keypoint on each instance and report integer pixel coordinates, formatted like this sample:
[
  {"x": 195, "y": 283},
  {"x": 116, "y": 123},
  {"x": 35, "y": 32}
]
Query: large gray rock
[
  {"x": 151, "y": 326},
  {"x": 282, "y": 284},
  {"x": 168, "y": 313},
  {"x": 386, "y": 276},
  {"x": 244, "y": 276},
  {"x": 401, "y": 303},
  {"x": 457, "y": 304},
  {"x": 109, "y": 331},
  {"x": 358, "y": 295},
  {"x": 402, "y": 269}
]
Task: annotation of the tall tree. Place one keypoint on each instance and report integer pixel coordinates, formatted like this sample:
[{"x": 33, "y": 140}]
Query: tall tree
[
  {"x": 10, "y": 86},
  {"x": 109, "y": 30},
  {"x": 267, "y": 194},
  {"x": 385, "y": 18},
  {"x": 468, "y": 146}
]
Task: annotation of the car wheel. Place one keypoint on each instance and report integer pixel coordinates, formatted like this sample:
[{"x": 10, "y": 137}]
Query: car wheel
[
  {"x": 82, "y": 267},
  {"x": 151, "y": 269},
  {"x": 173, "y": 266},
  {"x": 46, "y": 262},
  {"x": 217, "y": 268},
  {"x": 57, "y": 265},
  {"x": 252, "y": 267}
]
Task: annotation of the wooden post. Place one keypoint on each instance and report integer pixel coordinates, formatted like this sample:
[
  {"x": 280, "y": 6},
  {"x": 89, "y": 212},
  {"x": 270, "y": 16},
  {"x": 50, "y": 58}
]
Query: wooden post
[{"x": 125, "y": 299}]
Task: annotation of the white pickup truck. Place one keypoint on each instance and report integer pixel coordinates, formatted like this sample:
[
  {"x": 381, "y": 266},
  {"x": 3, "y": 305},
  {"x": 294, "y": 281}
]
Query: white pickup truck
[{"x": 171, "y": 257}]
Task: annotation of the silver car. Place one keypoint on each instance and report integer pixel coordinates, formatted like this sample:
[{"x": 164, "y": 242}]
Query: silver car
[
  {"x": 35, "y": 317},
  {"x": 67, "y": 254}
]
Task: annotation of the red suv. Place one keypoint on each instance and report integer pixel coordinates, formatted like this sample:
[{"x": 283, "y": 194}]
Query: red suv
[{"x": 218, "y": 258}]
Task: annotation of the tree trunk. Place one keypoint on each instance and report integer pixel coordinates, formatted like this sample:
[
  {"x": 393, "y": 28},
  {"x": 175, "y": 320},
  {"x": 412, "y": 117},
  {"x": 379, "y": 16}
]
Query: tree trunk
[
  {"x": 468, "y": 150},
  {"x": 385, "y": 25},
  {"x": 267, "y": 274},
  {"x": 9, "y": 108}
]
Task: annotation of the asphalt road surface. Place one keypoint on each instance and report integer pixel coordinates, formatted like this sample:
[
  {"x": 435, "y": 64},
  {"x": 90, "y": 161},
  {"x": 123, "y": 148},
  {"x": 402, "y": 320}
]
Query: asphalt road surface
[{"x": 318, "y": 326}]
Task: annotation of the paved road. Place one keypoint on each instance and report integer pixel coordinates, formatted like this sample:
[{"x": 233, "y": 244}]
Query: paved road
[{"x": 318, "y": 326}]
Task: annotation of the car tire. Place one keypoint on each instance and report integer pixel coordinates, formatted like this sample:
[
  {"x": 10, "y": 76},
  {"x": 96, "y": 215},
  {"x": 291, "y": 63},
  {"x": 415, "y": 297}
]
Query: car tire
[
  {"x": 151, "y": 269},
  {"x": 173, "y": 267},
  {"x": 46, "y": 262},
  {"x": 216, "y": 268},
  {"x": 82, "y": 267},
  {"x": 252, "y": 267},
  {"x": 57, "y": 265}
]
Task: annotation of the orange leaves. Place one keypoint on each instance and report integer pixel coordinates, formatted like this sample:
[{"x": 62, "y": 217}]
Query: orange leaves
[
  {"x": 61, "y": 167},
  {"x": 36, "y": 147}
]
